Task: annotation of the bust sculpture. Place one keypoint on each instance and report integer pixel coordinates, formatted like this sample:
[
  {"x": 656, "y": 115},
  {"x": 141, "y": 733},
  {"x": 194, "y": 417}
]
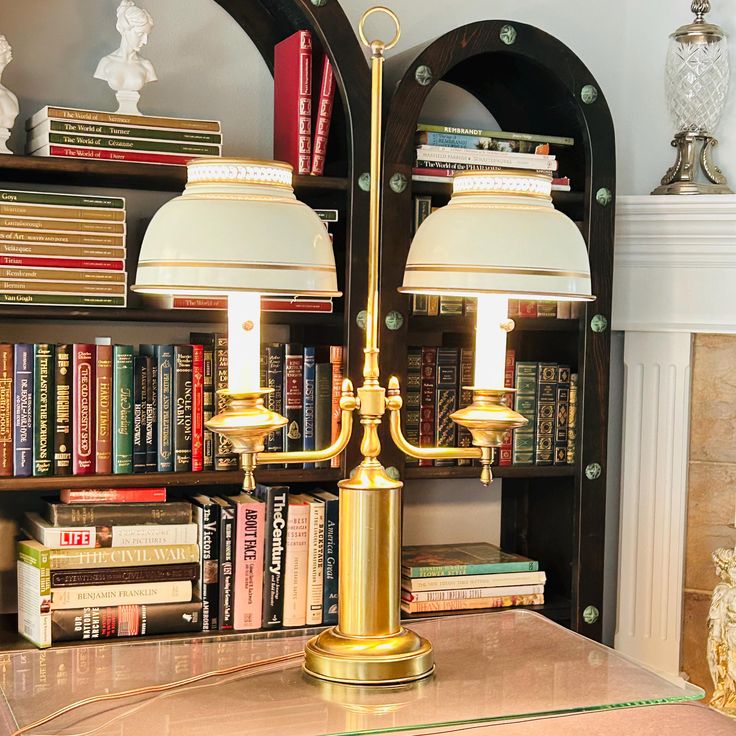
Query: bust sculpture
[
  {"x": 124, "y": 69},
  {"x": 8, "y": 101},
  {"x": 722, "y": 633}
]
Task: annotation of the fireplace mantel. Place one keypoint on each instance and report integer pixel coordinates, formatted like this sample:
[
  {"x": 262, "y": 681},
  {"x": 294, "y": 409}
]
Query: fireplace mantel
[{"x": 674, "y": 276}]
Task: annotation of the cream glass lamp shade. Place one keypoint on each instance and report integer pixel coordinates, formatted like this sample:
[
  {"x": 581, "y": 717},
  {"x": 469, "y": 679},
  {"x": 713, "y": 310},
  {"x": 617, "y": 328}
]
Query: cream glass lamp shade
[
  {"x": 237, "y": 227},
  {"x": 499, "y": 234}
]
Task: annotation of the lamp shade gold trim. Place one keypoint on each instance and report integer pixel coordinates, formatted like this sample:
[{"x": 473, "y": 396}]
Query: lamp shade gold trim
[
  {"x": 497, "y": 269},
  {"x": 225, "y": 264}
]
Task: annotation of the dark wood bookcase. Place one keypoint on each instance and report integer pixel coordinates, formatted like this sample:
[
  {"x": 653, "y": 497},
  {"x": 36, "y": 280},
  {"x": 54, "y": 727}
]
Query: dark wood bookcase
[
  {"x": 530, "y": 82},
  {"x": 555, "y": 514}
]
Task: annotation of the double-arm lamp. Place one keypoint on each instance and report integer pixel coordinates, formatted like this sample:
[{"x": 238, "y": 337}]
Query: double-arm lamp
[{"x": 238, "y": 230}]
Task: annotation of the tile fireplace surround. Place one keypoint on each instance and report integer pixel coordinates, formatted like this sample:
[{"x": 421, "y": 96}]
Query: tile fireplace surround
[{"x": 675, "y": 300}]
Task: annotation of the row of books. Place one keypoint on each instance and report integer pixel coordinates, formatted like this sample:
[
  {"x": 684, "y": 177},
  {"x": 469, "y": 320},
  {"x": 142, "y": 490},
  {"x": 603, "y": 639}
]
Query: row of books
[
  {"x": 461, "y": 577},
  {"x": 457, "y": 306},
  {"x": 104, "y": 563},
  {"x": 91, "y": 134},
  {"x": 443, "y": 151},
  {"x": 62, "y": 249},
  {"x": 99, "y": 408},
  {"x": 303, "y": 103},
  {"x": 546, "y": 394}
]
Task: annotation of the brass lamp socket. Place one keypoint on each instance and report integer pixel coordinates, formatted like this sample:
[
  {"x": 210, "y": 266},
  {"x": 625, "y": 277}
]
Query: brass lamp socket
[
  {"x": 246, "y": 422},
  {"x": 488, "y": 419}
]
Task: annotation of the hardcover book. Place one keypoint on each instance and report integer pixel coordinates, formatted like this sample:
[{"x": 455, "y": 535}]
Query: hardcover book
[
  {"x": 23, "y": 409},
  {"x": 337, "y": 359},
  {"x": 182, "y": 408},
  {"x": 316, "y": 557},
  {"x": 104, "y": 407},
  {"x": 164, "y": 416},
  {"x": 151, "y": 407},
  {"x": 170, "y": 591},
  {"x": 125, "y": 575},
  {"x": 112, "y": 495},
  {"x": 225, "y": 458},
  {"x": 562, "y": 414},
  {"x": 468, "y": 594},
  {"x": 197, "y": 408},
  {"x": 467, "y": 367},
  {"x": 250, "y": 521},
  {"x": 413, "y": 399},
  {"x": 294, "y": 397},
  {"x": 63, "y": 411},
  {"x": 277, "y": 520},
  {"x": 428, "y": 398},
  {"x": 308, "y": 417},
  {"x": 6, "y": 409},
  {"x": 525, "y": 402},
  {"x": 472, "y": 558},
  {"x": 83, "y": 423},
  {"x": 331, "y": 555},
  {"x": 545, "y": 429},
  {"x": 323, "y": 409},
  {"x": 504, "y": 601},
  {"x": 506, "y": 451},
  {"x": 323, "y": 117},
  {"x": 275, "y": 400},
  {"x": 459, "y": 582},
  {"x": 296, "y": 569},
  {"x": 448, "y": 360},
  {"x": 141, "y": 366},
  {"x": 122, "y": 381},
  {"x": 43, "y": 408},
  {"x": 572, "y": 428},
  {"x": 206, "y": 514},
  {"x": 226, "y": 559},
  {"x": 113, "y": 514},
  {"x": 292, "y": 75}
]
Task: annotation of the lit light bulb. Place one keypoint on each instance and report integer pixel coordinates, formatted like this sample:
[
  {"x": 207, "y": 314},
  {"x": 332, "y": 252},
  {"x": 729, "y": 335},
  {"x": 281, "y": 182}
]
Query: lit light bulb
[
  {"x": 490, "y": 341},
  {"x": 244, "y": 342}
]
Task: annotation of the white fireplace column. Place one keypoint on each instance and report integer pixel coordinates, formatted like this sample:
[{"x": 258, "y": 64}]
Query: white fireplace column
[{"x": 674, "y": 276}]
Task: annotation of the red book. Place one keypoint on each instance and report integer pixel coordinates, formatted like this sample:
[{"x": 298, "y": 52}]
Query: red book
[
  {"x": 105, "y": 154},
  {"x": 292, "y": 116},
  {"x": 113, "y": 495},
  {"x": 323, "y": 118},
  {"x": 337, "y": 356},
  {"x": 427, "y": 401},
  {"x": 506, "y": 450},
  {"x": 83, "y": 437},
  {"x": 250, "y": 530},
  {"x": 197, "y": 408},
  {"x": 83, "y": 263},
  {"x": 6, "y": 409},
  {"x": 527, "y": 308},
  {"x": 103, "y": 409},
  {"x": 267, "y": 305}
]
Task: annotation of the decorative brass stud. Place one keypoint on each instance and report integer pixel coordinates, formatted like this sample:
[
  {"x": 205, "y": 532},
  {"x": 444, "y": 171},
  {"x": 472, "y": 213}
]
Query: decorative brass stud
[
  {"x": 508, "y": 35},
  {"x": 604, "y": 197},
  {"x": 364, "y": 181},
  {"x": 593, "y": 471},
  {"x": 362, "y": 319},
  {"x": 248, "y": 325},
  {"x": 591, "y": 614},
  {"x": 423, "y": 75},
  {"x": 319, "y": 3},
  {"x": 394, "y": 320},
  {"x": 398, "y": 183},
  {"x": 598, "y": 323},
  {"x": 589, "y": 94}
]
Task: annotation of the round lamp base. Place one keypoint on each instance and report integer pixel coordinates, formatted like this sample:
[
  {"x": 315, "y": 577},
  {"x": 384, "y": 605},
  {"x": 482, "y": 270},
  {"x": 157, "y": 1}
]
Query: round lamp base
[{"x": 387, "y": 660}]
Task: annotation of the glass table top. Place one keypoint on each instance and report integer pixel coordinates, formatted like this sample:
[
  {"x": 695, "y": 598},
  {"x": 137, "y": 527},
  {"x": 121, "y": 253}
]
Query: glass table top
[{"x": 490, "y": 667}]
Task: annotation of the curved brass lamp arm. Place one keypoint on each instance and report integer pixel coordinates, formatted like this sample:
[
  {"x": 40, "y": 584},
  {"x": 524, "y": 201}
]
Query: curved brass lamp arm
[
  {"x": 348, "y": 404},
  {"x": 394, "y": 403}
]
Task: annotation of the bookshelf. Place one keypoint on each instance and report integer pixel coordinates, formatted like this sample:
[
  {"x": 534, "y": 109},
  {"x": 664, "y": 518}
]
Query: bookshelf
[{"x": 533, "y": 84}]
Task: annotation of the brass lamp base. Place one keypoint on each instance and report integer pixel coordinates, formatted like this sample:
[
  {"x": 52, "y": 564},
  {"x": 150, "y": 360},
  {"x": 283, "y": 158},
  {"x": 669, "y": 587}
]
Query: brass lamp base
[{"x": 384, "y": 660}]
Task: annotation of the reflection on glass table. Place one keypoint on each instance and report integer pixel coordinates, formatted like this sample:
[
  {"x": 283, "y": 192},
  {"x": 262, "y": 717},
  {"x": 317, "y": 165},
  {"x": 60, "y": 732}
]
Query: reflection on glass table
[{"x": 490, "y": 667}]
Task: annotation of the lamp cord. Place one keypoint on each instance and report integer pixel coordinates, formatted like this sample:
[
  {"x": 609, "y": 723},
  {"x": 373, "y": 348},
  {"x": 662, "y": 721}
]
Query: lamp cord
[{"x": 156, "y": 689}]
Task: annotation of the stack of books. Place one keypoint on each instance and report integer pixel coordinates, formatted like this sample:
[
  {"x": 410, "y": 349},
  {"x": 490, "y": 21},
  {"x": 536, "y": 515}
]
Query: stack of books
[
  {"x": 72, "y": 133},
  {"x": 444, "y": 150},
  {"x": 100, "y": 564},
  {"x": 459, "y": 577},
  {"x": 302, "y": 103},
  {"x": 62, "y": 249}
]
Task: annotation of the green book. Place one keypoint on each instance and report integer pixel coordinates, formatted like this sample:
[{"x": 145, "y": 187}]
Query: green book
[
  {"x": 34, "y": 593},
  {"x": 69, "y": 300},
  {"x": 124, "y": 144},
  {"x": 43, "y": 408},
  {"x": 526, "y": 375},
  {"x": 122, "y": 409},
  {"x": 126, "y": 131},
  {"x": 66, "y": 200},
  {"x": 473, "y": 558}
]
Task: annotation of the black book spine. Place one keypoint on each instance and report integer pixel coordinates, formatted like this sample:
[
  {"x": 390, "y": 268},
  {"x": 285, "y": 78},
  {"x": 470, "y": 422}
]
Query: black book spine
[
  {"x": 227, "y": 556},
  {"x": 207, "y": 516},
  {"x": 140, "y": 400},
  {"x": 165, "y": 372},
  {"x": 109, "y": 622},
  {"x": 110, "y": 514},
  {"x": 208, "y": 406},
  {"x": 125, "y": 575},
  {"x": 448, "y": 368},
  {"x": 43, "y": 408},
  {"x": 225, "y": 458},
  {"x": 182, "y": 408},
  {"x": 275, "y": 400},
  {"x": 294, "y": 397},
  {"x": 331, "y": 561},
  {"x": 151, "y": 409},
  {"x": 277, "y": 511}
]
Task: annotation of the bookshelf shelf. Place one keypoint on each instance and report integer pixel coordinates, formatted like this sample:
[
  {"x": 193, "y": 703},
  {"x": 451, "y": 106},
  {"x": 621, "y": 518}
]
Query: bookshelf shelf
[
  {"x": 506, "y": 471},
  {"x": 452, "y": 323},
  {"x": 144, "y": 480},
  {"x": 134, "y": 314},
  {"x": 44, "y": 170}
]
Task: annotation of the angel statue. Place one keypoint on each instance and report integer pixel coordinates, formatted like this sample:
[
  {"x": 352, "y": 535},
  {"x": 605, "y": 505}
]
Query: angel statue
[
  {"x": 125, "y": 70},
  {"x": 722, "y": 633},
  {"x": 8, "y": 101}
]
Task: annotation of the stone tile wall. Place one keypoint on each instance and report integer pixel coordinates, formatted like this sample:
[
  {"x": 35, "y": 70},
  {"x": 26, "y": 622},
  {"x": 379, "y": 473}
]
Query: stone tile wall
[{"x": 711, "y": 489}]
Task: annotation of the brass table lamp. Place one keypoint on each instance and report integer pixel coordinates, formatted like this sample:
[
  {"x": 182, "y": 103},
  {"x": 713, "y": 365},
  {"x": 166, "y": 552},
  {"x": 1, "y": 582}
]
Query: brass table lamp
[{"x": 238, "y": 230}]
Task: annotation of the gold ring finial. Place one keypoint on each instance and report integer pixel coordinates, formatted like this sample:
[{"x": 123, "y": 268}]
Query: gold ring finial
[{"x": 390, "y": 14}]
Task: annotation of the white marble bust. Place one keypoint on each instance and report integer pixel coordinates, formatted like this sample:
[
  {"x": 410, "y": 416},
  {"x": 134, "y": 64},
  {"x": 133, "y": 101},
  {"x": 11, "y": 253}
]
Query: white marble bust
[
  {"x": 124, "y": 69},
  {"x": 8, "y": 101}
]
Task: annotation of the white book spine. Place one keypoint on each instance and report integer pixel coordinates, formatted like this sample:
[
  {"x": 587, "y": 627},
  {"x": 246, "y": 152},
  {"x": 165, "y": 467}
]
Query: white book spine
[
  {"x": 490, "y": 158},
  {"x": 84, "y": 596},
  {"x": 454, "y": 582},
  {"x": 315, "y": 579},
  {"x": 471, "y": 593},
  {"x": 297, "y": 566},
  {"x": 34, "y": 612}
]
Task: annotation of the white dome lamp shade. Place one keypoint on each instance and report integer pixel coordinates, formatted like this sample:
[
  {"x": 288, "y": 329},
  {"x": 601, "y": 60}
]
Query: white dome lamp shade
[{"x": 499, "y": 238}]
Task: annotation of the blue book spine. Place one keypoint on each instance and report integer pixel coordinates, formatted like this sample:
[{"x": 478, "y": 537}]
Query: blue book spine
[
  {"x": 23, "y": 400},
  {"x": 450, "y": 140},
  {"x": 165, "y": 370},
  {"x": 310, "y": 377},
  {"x": 331, "y": 569}
]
